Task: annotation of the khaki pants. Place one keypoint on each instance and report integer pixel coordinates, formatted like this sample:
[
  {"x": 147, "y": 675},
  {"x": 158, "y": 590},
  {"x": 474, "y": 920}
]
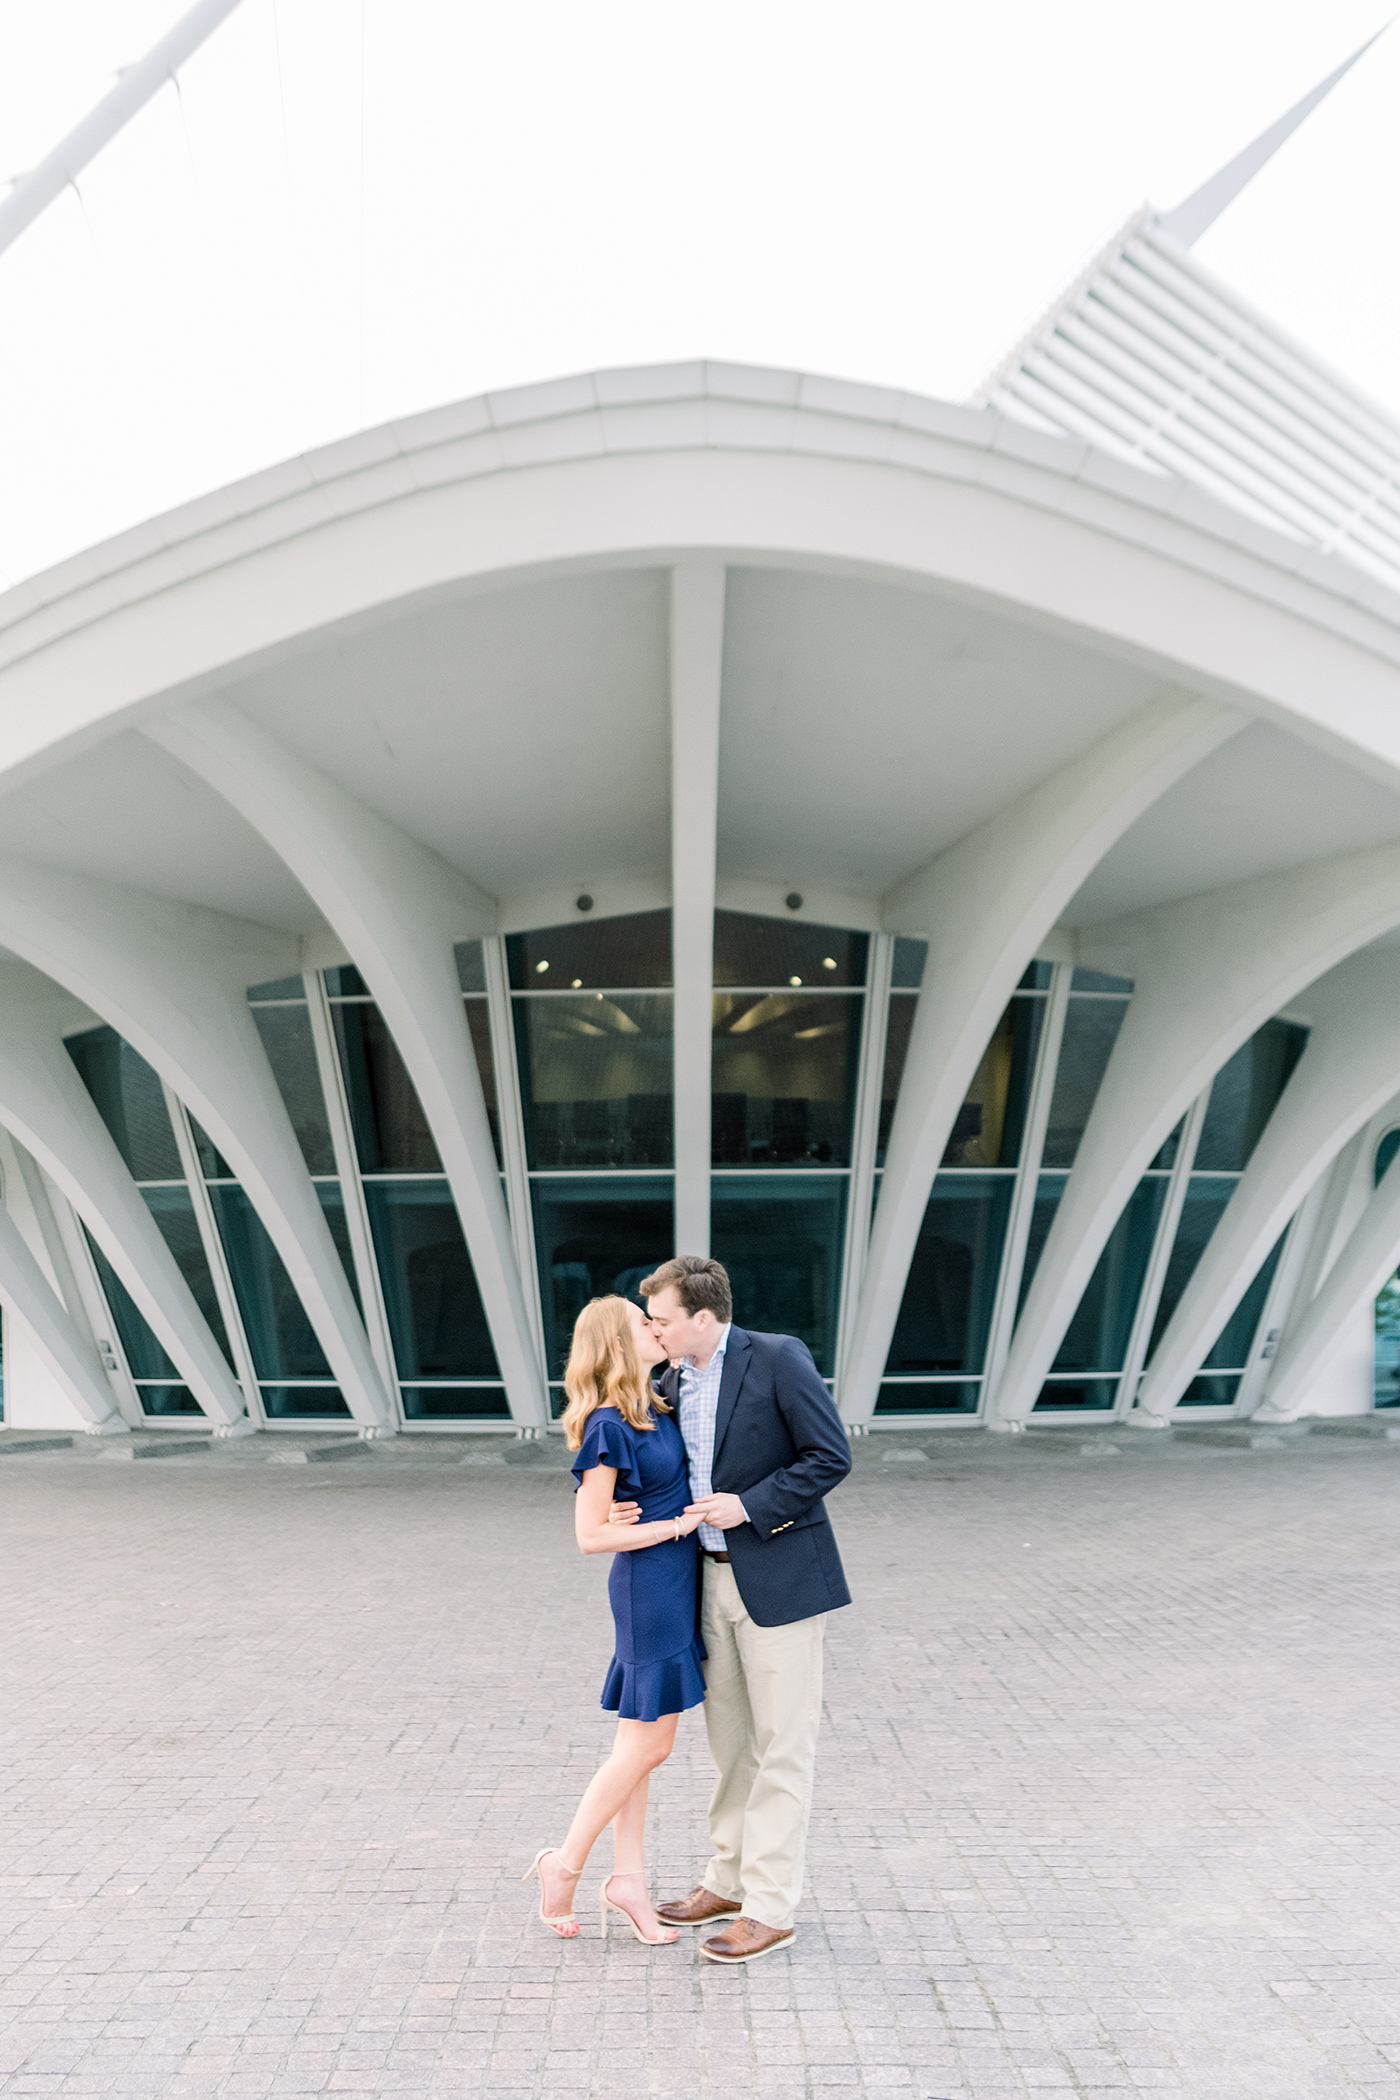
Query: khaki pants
[{"x": 763, "y": 1700}]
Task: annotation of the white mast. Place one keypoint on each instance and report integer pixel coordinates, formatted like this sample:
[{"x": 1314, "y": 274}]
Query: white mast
[{"x": 35, "y": 191}]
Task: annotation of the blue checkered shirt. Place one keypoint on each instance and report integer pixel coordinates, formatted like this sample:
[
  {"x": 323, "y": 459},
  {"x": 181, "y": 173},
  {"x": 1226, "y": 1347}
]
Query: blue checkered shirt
[{"x": 699, "y": 1403}]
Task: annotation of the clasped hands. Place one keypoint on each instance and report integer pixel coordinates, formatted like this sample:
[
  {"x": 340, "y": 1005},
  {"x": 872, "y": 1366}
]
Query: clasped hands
[{"x": 723, "y": 1511}]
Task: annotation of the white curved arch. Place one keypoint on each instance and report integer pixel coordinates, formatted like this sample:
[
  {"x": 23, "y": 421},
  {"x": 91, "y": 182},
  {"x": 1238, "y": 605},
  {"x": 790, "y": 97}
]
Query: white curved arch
[
  {"x": 1207, "y": 972},
  {"x": 985, "y": 905},
  {"x": 637, "y": 466},
  {"x": 1347, "y": 1073},
  {"x": 45, "y": 1105},
  {"x": 172, "y": 980},
  {"x": 398, "y": 909}
]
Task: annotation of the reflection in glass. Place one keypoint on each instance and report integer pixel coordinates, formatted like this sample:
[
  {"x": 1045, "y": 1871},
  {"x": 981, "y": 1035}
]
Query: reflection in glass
[
  {"x": 285, "y": 1403},
  {"x": 784, "y": 1077},
  {"x": 602, "y": 954},
  {"x": 471, "y": 966},
  {"x": 1211, "y": 1391},
  {"x": 479, "y": 1022},
  {"x": 750, "y": 950},
  {"x": 1084, "y": 1394},
  {"x": 907, "y": 966},
  {"x": 1097, "y": 1336},
  {"x": 1245, "y": 1094},
  {"x": 278, "y": 988},
  {"x": 596, "y": 1079},
  {"x": 1236, "y": 1338},
  {"x": 1206, "y": 1198},
  {"x": 173, "y": 1211},
  {"x": 987, "y": 1132},
  {"x": 898, "y": 1030},
  {"x": 167, "y": 1400},
  {"x": 280, "y": 1337},
  {"x": 947, "y": 1308},
  {"x": 780, "y": 1240},
  {"x": 435, "y": 1314},
  {"x": 1049, "y": 1189},
  {"x": 943, "y": 1397},
  {"x": 391, "y": 1131},
  {"x": 333, "y": 1209},
  {"x": 1387, "y": 1388},
  {"x": 1167, "y": 1151},
  {"x": 1096, "y": 981},
  {"x": 1385, "y": 1153},
  {"x": 212, "y": 1164},
  {"x": 144, "y": 1355},
  {"x": 291, "y": 1052},
  {"x": 594, "y": 1237},
  {"x": 127, "y": 1095},
  {"x": 1091, "y": 1030},
  {"x": 455, "y": 1403}
]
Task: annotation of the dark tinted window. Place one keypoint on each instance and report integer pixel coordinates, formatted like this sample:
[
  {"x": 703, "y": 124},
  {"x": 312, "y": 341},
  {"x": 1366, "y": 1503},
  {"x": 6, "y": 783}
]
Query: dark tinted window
[
  {"x": 600, "y": 954},
  {"x": 752, "y": 950}
]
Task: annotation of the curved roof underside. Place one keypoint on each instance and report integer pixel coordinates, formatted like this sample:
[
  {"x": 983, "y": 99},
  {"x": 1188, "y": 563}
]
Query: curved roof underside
[{"x": 463, "y": 619}]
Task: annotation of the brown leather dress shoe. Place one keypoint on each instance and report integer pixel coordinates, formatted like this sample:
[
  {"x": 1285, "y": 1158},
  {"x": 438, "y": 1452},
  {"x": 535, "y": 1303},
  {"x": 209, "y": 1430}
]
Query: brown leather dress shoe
[
  {"x": 701, "y": 1907},
  {"x": 745, "y": 1940}
]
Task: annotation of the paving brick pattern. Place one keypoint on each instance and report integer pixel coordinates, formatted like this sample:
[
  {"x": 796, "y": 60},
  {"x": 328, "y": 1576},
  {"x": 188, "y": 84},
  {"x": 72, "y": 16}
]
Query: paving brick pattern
[{"x": 1108, "y": 1801}]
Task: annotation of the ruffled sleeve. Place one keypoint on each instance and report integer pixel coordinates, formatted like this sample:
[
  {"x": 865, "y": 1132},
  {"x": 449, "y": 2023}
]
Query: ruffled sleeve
[{"x": 607, "y": 1441}]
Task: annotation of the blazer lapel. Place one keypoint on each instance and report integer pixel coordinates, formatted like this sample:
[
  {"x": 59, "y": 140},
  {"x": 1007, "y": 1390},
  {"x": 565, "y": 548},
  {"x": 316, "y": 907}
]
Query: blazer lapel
[{"x": 737, "y": 1351}]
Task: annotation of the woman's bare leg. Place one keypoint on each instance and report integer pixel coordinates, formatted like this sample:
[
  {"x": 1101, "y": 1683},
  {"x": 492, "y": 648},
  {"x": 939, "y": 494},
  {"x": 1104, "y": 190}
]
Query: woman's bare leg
[
  {"x": 627, "y": 1884},
  {"x": 630, "y": 1830},
  {"x": 638, "y": 1748}
]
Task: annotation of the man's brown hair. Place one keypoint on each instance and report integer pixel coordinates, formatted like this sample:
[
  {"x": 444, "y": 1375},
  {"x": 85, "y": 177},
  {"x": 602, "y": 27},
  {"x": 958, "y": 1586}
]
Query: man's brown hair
[{"x": 702, "y": 1285}]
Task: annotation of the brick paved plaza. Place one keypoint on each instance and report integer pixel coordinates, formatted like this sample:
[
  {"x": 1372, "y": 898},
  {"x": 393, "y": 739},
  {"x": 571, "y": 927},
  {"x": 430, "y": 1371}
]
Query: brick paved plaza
[{"x": 1109, "y": 1792}]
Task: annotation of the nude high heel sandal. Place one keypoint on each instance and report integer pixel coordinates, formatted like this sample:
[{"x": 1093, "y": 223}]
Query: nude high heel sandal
[
  {"x": 565, "y": 1928},
  {"x": 606, "y": 1904}
]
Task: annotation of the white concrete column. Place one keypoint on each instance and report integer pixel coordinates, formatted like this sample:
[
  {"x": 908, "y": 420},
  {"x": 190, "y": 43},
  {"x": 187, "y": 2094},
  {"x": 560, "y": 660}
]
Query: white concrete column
[
  {"x": 399, "y": 909},
  {"x": 1207, "y": 972},
  {"x": 1370, "y": 1255},
  {"x": 67, "y": 1355},
  {"x": 172, "y": 979},
  {"x": 985, "y": 906},
  {"x": 46, "y": 1106},
  {"x": 697, "y": 661},
  {"x": 1350, "y": 1068}
]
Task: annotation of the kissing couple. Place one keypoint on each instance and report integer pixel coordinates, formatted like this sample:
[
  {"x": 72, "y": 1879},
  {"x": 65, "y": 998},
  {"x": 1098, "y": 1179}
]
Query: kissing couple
[{"x": 706, "y": 1485}]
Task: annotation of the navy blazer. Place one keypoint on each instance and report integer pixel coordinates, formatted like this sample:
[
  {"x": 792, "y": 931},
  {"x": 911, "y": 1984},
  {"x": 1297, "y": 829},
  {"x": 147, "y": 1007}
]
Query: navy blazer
[{"x": 780, "y": 1446}]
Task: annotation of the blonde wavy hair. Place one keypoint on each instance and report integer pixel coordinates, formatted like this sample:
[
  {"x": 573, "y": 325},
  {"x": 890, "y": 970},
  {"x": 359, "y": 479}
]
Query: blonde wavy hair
[{"x": 604, "y": 1370}]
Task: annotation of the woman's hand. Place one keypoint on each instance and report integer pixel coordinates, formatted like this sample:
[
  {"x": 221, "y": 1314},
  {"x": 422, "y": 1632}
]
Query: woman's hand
[{"x": 624, "y": 1513}]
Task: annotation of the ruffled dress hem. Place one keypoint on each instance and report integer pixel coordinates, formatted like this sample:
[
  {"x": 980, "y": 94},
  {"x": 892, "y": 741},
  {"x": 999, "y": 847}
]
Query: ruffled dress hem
[{"x": 644, "y": 1691}]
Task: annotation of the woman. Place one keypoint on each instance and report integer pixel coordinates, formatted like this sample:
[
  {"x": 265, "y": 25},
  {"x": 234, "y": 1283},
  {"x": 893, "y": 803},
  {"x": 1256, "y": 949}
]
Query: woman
[{"x": 627, "y": 1439}]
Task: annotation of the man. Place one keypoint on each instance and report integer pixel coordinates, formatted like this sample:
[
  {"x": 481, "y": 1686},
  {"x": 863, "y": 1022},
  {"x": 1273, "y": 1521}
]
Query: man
[{"x": 765, "y": 1444}]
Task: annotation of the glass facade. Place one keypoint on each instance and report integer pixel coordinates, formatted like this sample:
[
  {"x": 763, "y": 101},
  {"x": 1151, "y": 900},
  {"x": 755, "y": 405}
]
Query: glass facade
[
  {"x": 959, "y": 1268},
  {"x": 573, "y": 1041},
  {"x": 591, "y": 1020},
  {"x": 788, "y": 1017}
]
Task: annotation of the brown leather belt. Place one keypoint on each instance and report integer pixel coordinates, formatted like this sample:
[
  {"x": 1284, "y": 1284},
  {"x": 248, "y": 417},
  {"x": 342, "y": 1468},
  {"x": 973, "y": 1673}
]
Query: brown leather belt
[{"x": 715, "y": 1556}]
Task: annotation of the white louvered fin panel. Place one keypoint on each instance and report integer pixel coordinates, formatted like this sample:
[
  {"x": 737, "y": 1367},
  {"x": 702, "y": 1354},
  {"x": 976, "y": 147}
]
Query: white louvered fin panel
[{"x": 1152, "y": 358}]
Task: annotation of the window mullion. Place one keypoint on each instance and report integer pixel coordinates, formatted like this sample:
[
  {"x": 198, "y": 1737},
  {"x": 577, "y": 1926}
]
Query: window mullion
[
  {"x": 347, "y": 1167},
  {"x": 1154, "y": 1282},
  {"x": 1018, "y": 1225},
  {"x": 511, "y": 1119},
  {"x": 212, "y": 1241},
  {"x": 865, "y": 1138}
]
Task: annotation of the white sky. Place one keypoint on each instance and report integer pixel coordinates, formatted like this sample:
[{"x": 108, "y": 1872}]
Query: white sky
[{"x": 358, "y": 208}]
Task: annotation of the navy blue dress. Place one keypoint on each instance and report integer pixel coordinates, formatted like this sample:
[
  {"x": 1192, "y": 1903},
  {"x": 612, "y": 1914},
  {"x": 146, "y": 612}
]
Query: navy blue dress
[{"x": 653, "y": 1590}]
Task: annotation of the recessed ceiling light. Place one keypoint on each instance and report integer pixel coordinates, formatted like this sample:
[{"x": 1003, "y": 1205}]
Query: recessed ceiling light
[
  {"x": 577, "y": 984},
  {"x": 794, "y": 980},
  {"x": 540, "y": 968},
  {"x": 828, "y": 962}
]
